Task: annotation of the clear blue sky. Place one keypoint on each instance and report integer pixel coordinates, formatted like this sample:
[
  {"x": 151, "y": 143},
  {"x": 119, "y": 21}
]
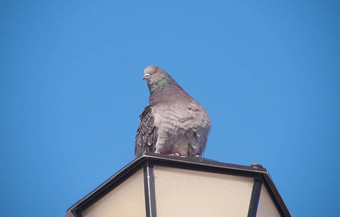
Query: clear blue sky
[{"x": 71, "y": 92}]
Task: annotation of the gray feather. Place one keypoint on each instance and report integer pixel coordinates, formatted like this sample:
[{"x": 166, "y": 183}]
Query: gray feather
[{"x": 146, "y": 137}]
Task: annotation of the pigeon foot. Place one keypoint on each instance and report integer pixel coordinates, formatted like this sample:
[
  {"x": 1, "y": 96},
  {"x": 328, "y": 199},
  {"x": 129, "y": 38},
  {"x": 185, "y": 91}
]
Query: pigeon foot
[{"x": 175, "y": 154}]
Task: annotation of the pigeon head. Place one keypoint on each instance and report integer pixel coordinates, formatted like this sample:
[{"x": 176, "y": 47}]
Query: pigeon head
[{"x": 155, "y": 76}]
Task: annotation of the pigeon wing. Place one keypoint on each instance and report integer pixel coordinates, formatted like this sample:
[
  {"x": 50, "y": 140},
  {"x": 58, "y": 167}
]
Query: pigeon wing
[{"x": 146, "y": 137}]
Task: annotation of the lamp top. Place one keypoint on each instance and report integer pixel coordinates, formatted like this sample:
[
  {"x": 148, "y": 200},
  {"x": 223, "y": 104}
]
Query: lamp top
[{"x": 255, "y": 171}]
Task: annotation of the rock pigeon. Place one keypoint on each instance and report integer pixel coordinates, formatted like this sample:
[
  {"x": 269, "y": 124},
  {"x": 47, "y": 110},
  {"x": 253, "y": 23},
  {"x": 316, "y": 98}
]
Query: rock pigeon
[{"x": 173, "y": 123}]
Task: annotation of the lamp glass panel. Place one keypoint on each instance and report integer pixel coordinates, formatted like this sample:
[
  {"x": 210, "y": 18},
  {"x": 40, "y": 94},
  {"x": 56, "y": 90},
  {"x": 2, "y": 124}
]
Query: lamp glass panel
[
  {"x": 266, "y": 206},
  {"x": 186, "y": 193},
  {"x": 126, "y": 200}
]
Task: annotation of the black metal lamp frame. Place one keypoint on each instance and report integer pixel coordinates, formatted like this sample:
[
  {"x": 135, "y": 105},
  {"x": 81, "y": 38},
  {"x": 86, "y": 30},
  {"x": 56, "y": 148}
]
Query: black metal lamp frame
[{"x": 148, "y": 160}]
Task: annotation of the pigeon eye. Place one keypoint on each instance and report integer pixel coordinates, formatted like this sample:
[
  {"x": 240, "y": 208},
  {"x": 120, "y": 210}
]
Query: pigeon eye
[{"x": 156, "y": 72}]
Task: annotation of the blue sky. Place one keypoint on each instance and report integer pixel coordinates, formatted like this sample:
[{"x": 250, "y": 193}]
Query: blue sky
[{"x": 71, "y": 92}]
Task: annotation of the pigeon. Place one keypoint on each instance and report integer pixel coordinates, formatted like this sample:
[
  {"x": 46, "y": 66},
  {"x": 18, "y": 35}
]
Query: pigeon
[{"x": 173, "y": 123}]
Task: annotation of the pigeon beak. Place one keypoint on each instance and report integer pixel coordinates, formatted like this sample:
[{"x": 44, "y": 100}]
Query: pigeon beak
[{"x": 146, "y": 76}]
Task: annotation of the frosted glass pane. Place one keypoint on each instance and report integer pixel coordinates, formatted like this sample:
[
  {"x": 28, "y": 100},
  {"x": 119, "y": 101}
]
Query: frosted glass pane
[
  {"x": 266, "y": 207},
  {"x": 186, "y": 193},
  {"x": 126, "y": 200}
]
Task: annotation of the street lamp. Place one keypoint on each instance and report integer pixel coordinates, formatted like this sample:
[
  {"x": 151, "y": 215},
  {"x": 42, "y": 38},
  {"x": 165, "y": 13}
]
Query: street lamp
[{"x": 169, "y": 186}]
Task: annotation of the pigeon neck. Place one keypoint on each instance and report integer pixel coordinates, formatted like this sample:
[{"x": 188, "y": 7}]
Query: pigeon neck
[
  {"x": 166, "y": 91},
  {"x": 156, "y": 85}
]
